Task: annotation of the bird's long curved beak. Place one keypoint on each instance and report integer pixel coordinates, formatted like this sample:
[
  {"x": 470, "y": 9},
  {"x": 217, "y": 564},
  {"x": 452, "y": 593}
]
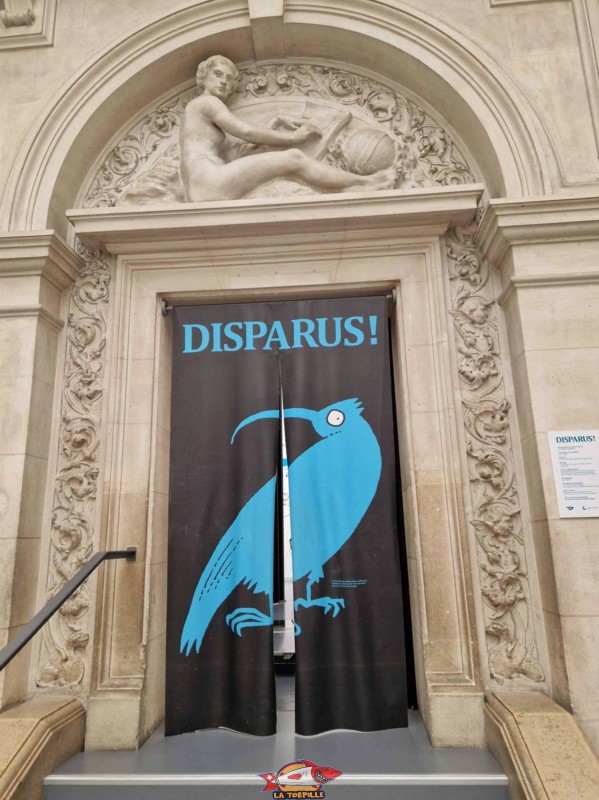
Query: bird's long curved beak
[{"x": 300, "y": 413}]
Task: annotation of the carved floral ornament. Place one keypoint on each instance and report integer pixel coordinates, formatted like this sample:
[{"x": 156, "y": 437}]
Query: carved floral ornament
[
  {"x": 366, "y": 126},
  {"x": 65, "y": 637},
  {"x": 496, "y": 516}
]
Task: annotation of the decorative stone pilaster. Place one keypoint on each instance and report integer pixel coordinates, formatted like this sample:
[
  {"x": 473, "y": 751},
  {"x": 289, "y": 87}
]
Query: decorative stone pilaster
[
  {"x": 496, "y": 516},
  {"x": 36, "y": 269},
  {"x": 65, "y": 637}
]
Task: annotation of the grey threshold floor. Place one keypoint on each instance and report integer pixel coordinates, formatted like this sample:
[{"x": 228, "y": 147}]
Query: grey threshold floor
[{"x": 221, "y": 764}]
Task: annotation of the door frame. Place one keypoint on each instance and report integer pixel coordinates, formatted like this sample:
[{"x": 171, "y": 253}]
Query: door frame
[{"x": 368, "y": 245}]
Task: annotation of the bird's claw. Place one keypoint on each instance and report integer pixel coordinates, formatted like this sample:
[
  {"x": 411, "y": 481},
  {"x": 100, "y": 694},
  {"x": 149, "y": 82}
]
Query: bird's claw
[
  {"x": 334, "y": 604},
  {"x": 243, "y": 618}
]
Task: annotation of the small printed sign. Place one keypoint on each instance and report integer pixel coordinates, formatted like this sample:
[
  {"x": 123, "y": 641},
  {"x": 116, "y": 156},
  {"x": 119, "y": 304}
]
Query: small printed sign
[{"x": 575, "y": 457}]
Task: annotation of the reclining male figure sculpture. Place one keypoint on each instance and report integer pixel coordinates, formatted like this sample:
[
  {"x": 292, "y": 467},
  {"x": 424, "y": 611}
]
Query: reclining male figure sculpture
[{"x": 207, "y": 176}]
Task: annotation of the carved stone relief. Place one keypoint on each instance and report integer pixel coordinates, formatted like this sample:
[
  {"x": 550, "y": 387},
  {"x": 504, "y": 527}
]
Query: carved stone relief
[
  {"x": 496, "y": 515},
  {"x": 366, "y": 127},
  {"x": 65, "y": 636}
]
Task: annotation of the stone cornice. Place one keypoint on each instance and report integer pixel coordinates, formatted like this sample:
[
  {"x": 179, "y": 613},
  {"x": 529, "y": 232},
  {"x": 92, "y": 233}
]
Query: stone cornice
[
  {"x": 555, "y": 218},
  {"x": 556, "y": 279},
  {"x": 41, "y": 253},
  {"x": 38, "y": 311},
  {"x": 181, "y": 226}
]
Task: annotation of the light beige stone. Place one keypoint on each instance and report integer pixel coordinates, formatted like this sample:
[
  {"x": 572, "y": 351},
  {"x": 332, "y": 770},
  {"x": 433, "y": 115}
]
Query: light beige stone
[
  {"x": 40, "y": 419},
  {"x": 448, "y": 716},
  {"x": 139, "y": 392},
  {"x": 591, "y": 730},
  {"x": 26, "y": 561},
  {"x": 20, "y": 290},
  {"x": 152, "y": 707},
  {"x": 17, "y": 344},
  {"x": 46, "y": 347},
  {"x": 576, "y": 551},
  {"x": 540, "y": 494},
  {"x": 559, "y": 669},
  {"x": 545, "y": 560},
  {"x": 513, "y": 326},
  {"x": 422, "y": 388},
  {"x": 137, "y": 447},
  {"x": 159, "y": 521},
  {"x": 500, "y": 77},
  {"x": 143, "y": 322},
  {"x": 8, "y": 549},
  {"x": 540, "y": 259},
  {"x": 14, "y": 677},
  {"x": 165, "y": 353},
  {"x": 581, "y": 635},
  {"x": 11, "y": 482},
  {"x": 416, "y": 322},
  {"x": 163, "y": 400},
  {"x": 133, "y": 520},
  {"x": 540, "y": 747},
  {"x": 427, "y": 441},
  {"x": 157, "y": 605},
  {"x": 35, "y": 738},
  {"x": 525, "y": 408},
  {"x": 546, "y": 76},
  {"x": 15, "y": 398},
  {"x": 548, "y": 322},
  {"x": 113, "y": 722},
  {"x": 161, "y": 460},
  {"x": 127, "y": 660},
  {"x": 35, "y": 477}
]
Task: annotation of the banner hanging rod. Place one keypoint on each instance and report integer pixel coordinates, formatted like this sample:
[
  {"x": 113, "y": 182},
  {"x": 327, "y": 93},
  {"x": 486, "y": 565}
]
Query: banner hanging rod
[{"x": 391, "y": 297}]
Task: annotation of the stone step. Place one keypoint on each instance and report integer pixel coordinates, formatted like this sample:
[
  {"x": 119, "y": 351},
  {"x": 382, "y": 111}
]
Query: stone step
[
  {"x": 222, "y": 765},
  {"x": 407, "y": 788}
]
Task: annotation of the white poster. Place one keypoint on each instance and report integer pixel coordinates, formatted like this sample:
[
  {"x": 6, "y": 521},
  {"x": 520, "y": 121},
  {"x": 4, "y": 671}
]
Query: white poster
[{"x": 575, "y": 457}]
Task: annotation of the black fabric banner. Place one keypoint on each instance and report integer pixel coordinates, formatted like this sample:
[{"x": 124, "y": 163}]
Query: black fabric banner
[
  {"x": 221, "y": 529},
  {"x": 328, "y": 362},
  {"x": 350, "y": 662}
]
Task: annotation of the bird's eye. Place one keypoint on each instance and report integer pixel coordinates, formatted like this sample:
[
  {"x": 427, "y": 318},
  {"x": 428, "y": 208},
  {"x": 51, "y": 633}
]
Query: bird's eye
[{"x": 335, "y": 418}]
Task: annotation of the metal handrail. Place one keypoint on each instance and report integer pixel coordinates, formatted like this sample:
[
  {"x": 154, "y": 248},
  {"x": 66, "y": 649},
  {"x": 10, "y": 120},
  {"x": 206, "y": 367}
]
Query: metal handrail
[{"x": 29, "y": 630}]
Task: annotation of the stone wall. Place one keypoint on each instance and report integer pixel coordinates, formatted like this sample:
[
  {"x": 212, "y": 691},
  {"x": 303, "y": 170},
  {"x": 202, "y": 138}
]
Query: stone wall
[{"x": 513, "y": 85}]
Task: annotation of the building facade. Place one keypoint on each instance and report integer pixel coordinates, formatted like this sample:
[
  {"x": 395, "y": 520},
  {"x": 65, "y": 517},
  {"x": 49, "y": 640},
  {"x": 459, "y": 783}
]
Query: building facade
[{"x": 489, "y": 236}]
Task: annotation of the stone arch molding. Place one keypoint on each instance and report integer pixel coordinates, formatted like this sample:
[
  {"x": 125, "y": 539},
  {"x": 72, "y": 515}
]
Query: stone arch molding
[{"x": 469, "y": 90}]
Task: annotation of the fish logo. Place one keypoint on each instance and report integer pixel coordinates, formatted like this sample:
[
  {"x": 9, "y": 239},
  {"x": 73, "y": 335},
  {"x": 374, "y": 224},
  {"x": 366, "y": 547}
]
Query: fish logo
[{"x": 299, "y": 779}]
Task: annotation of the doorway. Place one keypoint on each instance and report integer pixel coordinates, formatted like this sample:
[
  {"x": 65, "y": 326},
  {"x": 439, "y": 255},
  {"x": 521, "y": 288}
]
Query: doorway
[{"x": 246, "y": 375}]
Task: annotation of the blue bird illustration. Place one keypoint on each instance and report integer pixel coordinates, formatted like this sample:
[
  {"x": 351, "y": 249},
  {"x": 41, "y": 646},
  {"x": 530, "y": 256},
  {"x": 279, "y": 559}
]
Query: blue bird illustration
[{"x": 331, "y": 486}]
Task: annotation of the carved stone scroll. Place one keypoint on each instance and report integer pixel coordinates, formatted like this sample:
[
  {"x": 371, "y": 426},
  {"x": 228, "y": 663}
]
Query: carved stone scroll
[
  {"x": 144, "y": 166},
  {"x": 496, "y": 515},
  {"x": 17, "y": 13},
  {"x": 65, "y": 637}
]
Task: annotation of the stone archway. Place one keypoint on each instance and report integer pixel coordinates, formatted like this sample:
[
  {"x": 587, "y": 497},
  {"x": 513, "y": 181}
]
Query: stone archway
[{"x": 487, "y": 111}]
